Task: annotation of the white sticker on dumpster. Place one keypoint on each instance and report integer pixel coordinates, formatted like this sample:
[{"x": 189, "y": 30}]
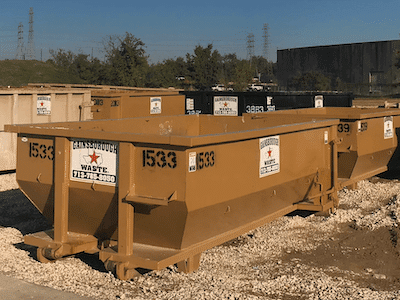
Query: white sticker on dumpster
[
  {"x": 192, "y": 161},
  {"x": 189, "y": 104},
  {"x": 94, "y": 161},
  {"x": 388, "y": 127},
  {"x": 319, "y": 101},
  {"x": 43, "y": 105},
  {"x": 225, "y": 106},
  {"x": 269, "y": 156},
  {"x": 155, "y": 105}
]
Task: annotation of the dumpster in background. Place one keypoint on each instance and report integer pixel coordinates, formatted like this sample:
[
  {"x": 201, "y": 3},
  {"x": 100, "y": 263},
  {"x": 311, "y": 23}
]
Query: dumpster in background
[
  {"x": 158, "y": 191},
  {"x": 236, "y": 103},
  {"x": 111, "y": 104},
  {"x": 37, "y": 105},
  {"x": 368, "y": 138},
  {"x": 92, "y": 87}
]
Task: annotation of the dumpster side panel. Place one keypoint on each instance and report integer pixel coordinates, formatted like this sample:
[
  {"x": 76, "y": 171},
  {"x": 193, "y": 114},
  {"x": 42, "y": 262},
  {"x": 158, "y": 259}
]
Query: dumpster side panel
[
  {"x": 8, "y": 146},
  {"x": 6, "y": 107},
  {"x": 224, "y": 190},
  {"x": 26, "y": 105},
  {"x": 8, "y": 149},
  {"x": 35, "y": 171},
  {"x": 18, "y": 108},
  {"x": 364, "y": 149},
  {"x": 231, "y": 193},
  {"x": 141, "y": 107},
  {"x": 235, "y": 172}
]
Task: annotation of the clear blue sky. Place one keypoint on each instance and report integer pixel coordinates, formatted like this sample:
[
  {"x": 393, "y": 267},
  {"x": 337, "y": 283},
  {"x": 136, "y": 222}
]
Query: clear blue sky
[{"x": 171, "y": 29}]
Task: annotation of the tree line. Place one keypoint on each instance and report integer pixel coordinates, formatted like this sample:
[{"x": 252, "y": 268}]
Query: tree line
[{"x": 126, "y": 64}]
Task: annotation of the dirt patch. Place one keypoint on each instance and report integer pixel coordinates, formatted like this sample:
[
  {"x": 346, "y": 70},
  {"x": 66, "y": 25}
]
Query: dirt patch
[{"x": 371, "y": 258}]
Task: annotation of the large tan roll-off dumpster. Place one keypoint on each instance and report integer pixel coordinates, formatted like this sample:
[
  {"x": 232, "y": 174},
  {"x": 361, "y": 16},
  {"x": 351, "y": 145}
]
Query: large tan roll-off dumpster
[
  {"x": 111, "y": 104},
  {"x": 152, "y": 192},
  {"x": 368, "y": 138}
]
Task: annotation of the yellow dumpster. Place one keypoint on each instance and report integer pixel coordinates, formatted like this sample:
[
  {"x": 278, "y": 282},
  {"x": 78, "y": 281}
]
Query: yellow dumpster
[
  {"x": 151, "y": 192},
  {"x": 368, "y": 138},
  {"x": 111, "y": 104}
]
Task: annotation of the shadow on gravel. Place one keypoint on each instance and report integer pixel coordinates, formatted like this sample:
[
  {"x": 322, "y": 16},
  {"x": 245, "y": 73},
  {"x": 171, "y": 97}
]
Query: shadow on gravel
[
  {"x": 301, "y": 213},
  {"x": 27, "y": 248},
  {"x": 93, "y": 261},
  {"x": 18, "y": 212}
]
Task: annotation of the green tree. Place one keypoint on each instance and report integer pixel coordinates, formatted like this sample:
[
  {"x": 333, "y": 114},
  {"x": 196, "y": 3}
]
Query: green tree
[
  {"x": 203, "y": 66},
  {"x": 169, "y": 73},
  {"x": 89, "y": 71},
  {"x": 126, "y": 62},
  {"x": 64, "y": 63},
  {"x": 228, "y": 69},
  {"x": 263, "y": 69},
  {"x": 243, "y": 75}
]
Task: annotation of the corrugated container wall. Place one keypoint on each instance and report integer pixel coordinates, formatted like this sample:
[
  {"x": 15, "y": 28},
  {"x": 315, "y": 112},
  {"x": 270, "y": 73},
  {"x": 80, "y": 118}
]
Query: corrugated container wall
[{"x": 37, "y": 105}]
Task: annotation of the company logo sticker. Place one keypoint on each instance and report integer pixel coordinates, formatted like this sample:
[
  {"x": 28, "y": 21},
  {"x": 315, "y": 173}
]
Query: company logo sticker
[
  {"x": 155, "y": 105},
  {"x": 388, "y": 127},
  {"x": 269, "y": 156},
  {"x": 94, "y": 161},
  {"x": 225, "y": 106},
  {"x": 319, "y": 101},
  {"x": 43, "y": 105}
]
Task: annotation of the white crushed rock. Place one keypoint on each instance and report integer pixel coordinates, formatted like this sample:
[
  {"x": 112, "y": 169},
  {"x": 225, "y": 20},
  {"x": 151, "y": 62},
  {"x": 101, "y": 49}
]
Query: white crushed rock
[
  {"x": 8, "y": 182},
  {"x": 252, "y": 266}
]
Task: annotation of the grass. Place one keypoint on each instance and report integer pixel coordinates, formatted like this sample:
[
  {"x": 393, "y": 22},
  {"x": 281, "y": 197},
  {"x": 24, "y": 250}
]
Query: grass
[{"x": 21, "y": 72}]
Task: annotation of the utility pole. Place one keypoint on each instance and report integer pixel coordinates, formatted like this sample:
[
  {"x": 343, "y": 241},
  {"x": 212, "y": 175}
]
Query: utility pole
[
  {"x": 31, "y": 46},
  {"x": 20, "y": 48}
]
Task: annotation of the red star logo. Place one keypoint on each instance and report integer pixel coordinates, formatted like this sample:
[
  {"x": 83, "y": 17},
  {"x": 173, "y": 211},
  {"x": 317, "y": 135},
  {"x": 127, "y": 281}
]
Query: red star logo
[
  {"x": 269, "y": 152},
  {"x": 41, "y": 104},
  {"x": 94, "y": 157},
  {"x": 225, "y": 104}
]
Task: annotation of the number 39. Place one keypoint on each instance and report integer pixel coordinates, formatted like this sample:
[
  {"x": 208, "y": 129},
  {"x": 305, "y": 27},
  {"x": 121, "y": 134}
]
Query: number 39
[{"x": 343, "y": 127}]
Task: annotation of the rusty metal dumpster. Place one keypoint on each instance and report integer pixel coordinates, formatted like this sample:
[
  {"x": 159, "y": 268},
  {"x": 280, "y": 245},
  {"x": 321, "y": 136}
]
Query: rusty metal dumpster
[
  {"x": 110, "y": 104},
  {"x": 368, "y": 139},
  {"x": 152, "y": 192}
]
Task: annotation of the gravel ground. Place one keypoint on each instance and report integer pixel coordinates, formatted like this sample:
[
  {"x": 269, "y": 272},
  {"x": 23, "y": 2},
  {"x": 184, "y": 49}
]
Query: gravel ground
[{"x": 352, "y": 254}]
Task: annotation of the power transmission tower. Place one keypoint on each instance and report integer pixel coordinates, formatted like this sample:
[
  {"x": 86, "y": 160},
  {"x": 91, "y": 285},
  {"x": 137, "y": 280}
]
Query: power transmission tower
[
  {"x": 266, "y": 47},
  {"x": 266, "y": 41},
  {"x": 20, "y": 48},
  {"x": 30, "y": 52},
  {"x": 250, "y": 46}
]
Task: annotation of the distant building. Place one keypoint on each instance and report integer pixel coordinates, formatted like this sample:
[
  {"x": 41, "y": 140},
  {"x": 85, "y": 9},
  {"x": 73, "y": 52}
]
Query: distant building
[{"x": 360, "y": 67}]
